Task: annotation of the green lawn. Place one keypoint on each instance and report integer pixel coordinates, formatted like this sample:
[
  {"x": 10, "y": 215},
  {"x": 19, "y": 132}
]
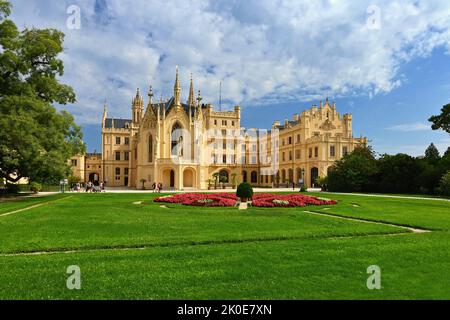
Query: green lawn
[{"x": 223, "y": 253}]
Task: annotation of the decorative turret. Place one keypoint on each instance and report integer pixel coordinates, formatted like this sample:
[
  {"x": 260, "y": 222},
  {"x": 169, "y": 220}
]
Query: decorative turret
[
  {"x": 177, "y": 91},
  {"x": 191, "y": 99},
  {"x": 105, "y": 114},
  {"x": 137, "y": 107},
  {"x": 150, "y": 100},
  {"x": 199, "y": 114}
]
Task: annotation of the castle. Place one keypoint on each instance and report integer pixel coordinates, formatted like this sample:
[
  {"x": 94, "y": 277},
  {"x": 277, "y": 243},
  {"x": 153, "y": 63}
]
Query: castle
[{"x": 190, "y": 145}]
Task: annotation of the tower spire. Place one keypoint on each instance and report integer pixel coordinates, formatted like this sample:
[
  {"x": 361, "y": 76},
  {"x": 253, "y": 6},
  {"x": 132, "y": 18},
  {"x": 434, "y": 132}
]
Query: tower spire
[
  {"x": 177, "y": 90},
  {"x": 191, "y": 99}
]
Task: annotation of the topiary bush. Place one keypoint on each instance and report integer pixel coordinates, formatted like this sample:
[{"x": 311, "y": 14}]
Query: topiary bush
[
  {"x": 244, "y": 191},
  {"x": 35, "y": 187}
]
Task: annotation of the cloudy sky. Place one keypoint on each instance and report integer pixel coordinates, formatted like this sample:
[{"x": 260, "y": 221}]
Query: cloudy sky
[{"x": 386, "y": 62}]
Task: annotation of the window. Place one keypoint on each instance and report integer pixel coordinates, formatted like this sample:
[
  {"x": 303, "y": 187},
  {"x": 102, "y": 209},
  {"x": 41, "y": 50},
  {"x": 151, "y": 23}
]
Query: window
[
  {"x": 297, "y": 154},
  {"x": 117, "y": 171},
  {"x": 127, "y": 140},
  {"x": 344, "y": 151},
  {"x": 126, "y": 171},
  {"x": 224, "y": 145},
  {"x": 283, "y": 157},
  {"x": 74, "y": 162},
  {"x": 215, "y": 122},
  {"x": 253, "y": 160},
  {"x": 150, "y": 148},
  {"x": 310, "y": 152},
  {"x": 290, "y": 155},
  {"x": 332, "y": 151},
  {"x": 127, "y": 156},
  {"x": 254, "y": 177},
  {"x": 117, "y": 140},
  {"x": 224, "y": 122},
  {"x": 290, "y": 140},
  {"x": 177, "y": 139},
  {"x": 316, "y": 152},
  {"x": 224, "y": 158},
  {"x": 298, "y": 138},
  {"x": 118, "y": 155},
  {"x": 232, "y": 123}
]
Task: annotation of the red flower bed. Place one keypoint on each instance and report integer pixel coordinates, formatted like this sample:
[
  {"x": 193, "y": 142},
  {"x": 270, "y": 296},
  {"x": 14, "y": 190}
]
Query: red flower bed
[
  {"x": 201, "y": 199},
  {"x": 288, "y": 200},
  {"x": 259, "y": 200}
]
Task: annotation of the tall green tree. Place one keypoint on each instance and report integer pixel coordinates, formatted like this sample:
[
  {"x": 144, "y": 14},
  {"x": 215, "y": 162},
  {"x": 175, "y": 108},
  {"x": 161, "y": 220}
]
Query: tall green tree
[
  {"x": 432, "y": 153},
  {"x": 441, "y": 121},
  {"x": 355, "y": 172},
  {"x": 35, "y": 139}
]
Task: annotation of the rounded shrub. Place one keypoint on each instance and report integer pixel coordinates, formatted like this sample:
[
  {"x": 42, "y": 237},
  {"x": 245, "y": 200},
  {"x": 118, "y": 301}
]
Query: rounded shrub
[
  {"x": 244, "y": 191},
  {"x": 35, "y": 187}
]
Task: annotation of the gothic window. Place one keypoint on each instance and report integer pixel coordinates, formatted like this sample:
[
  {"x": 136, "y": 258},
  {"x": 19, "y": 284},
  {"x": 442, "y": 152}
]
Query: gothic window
[
  {"x": 177, "y": 140},
  {"x": 150, "y": 148}
]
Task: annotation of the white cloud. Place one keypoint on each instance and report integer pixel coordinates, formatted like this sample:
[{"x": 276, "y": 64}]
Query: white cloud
[
  {"x": 408, "y": 127},
  {"x": 263, "y": 51}
]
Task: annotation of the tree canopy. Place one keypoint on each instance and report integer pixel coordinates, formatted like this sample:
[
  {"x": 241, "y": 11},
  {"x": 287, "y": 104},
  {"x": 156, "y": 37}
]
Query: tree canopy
[
  {"x": 442, "y": 121},
  {"x": 35, "y": 139}
]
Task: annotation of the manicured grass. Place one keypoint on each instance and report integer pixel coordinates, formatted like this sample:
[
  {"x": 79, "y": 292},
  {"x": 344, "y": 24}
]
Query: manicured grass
[
  {"x": 224, "y": 253},
  {"x": 412, "y": 266},
  {"x": 111, "y": 220},
  {"x": 416, "y": 213},
  {"x": 8, "y": 204}
]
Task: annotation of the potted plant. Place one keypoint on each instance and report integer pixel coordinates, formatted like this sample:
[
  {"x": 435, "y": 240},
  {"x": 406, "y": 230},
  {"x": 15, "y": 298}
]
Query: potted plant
[
  {"x": 223, "y": 180},
  {"x": 233, "y": 180},
  {"x": 244, "y": 191},
  {"x": 323, "y": 182},
  {"x": 209, "y": 183},
  {"x": 216, "y": 180},
  {"x": 143, "y": 181}
]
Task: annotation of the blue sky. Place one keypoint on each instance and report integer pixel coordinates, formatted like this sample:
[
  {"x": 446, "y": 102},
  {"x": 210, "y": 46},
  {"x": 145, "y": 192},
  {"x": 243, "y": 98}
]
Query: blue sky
[{"x": 386, "y": 62}]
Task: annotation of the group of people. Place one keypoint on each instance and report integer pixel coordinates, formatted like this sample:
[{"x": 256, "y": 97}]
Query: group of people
[
  {"x": 157, "y": 187},
  {"x": 89, "y": 187}
]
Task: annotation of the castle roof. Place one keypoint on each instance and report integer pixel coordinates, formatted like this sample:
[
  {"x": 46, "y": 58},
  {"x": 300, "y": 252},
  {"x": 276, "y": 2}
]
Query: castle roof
[{"x": 118, "y": 123}]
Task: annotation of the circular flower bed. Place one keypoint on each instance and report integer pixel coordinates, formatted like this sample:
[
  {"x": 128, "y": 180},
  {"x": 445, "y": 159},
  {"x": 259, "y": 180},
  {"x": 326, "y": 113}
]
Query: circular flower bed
[
  {"x": 288, "y": 200},
  {"x": 259, "y": 200},
  {"x": 201, "y": 199}
]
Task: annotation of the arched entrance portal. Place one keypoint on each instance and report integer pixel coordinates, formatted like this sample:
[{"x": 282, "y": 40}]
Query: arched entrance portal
[
  {"x": 314, "y": 176},
  {"x": 94, "y": 177},
  {"x": 188, "y": 178},
  {"x": 223, "y": 176},
  {"x": 168, "y": 178}
]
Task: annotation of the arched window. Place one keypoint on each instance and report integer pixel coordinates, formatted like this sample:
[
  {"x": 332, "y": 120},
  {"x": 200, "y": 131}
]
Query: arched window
[
  {"x": 223, "y": 176},
  {"x": 244, "y": 176},
  {"x": 150, "y": 148},
  {"x": 254, "y": 177},
  {"x": 177, "y": 140}
]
